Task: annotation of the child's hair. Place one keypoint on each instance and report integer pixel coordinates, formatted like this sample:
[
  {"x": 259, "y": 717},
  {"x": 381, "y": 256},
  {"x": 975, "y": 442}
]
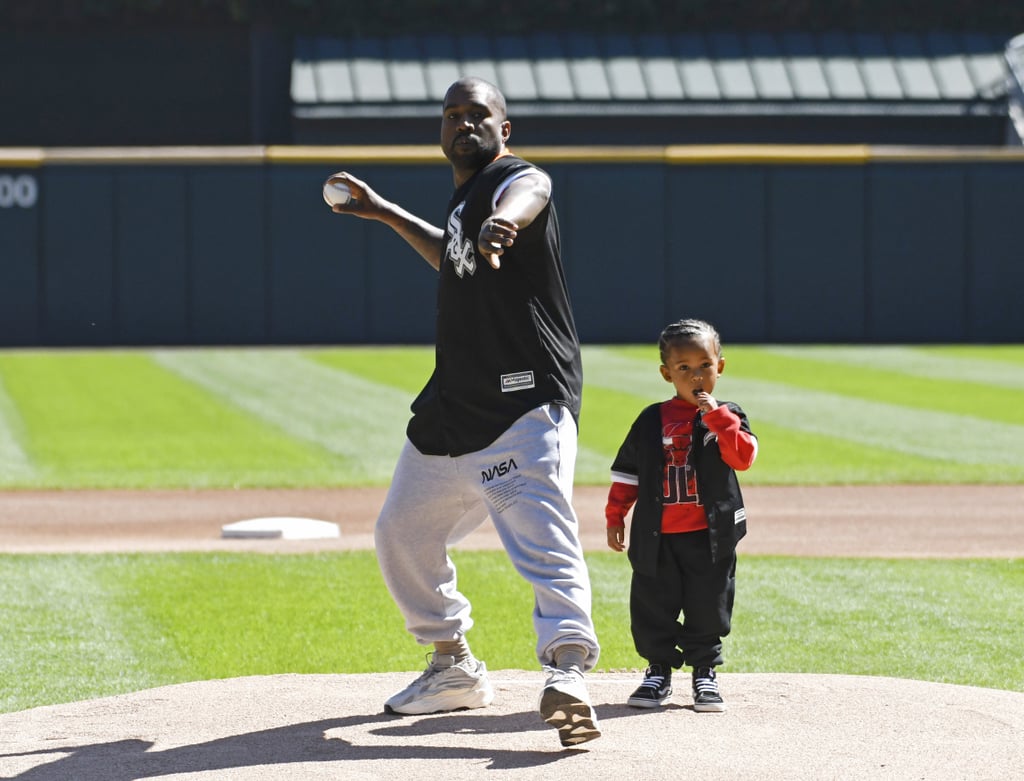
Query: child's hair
[{"x": 687, "y": 331}]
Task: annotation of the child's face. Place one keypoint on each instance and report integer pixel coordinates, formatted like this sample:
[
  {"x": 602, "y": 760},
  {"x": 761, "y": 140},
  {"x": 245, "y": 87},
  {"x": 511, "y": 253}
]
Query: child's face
[{"x": 692, "y": 367}]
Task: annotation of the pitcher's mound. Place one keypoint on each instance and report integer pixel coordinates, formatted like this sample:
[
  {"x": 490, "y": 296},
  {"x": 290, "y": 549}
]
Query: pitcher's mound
[{"x": 311, "y": 727}]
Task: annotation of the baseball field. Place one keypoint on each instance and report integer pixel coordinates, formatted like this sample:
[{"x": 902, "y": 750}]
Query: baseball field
[{"x": 890, "y": 543}]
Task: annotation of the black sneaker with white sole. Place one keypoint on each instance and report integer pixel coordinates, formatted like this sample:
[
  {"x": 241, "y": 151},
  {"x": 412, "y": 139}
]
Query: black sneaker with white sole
[
  {"x": 655, "y": 690},
  {"x": 706, "y": 697}
]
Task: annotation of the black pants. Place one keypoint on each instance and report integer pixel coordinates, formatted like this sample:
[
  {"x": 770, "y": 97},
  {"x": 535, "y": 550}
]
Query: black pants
[{"x": 690, "y": 585}]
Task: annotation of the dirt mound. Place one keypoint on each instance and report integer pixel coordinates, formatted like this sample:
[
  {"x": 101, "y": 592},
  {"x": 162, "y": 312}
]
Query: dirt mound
[{"x": 310, "y": 727}]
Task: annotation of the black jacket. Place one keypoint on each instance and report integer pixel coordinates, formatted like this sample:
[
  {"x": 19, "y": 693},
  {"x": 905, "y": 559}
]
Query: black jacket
[{"x": 642, "y": 454}]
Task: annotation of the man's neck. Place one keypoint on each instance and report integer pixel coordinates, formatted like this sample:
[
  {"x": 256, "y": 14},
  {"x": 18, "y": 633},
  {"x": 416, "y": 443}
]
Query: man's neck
[{"x": 463, "y": 175}]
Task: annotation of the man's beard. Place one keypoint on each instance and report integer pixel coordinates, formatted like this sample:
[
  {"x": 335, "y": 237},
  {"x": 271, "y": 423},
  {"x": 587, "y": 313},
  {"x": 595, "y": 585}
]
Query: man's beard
[{"x": 480, "y": 155}]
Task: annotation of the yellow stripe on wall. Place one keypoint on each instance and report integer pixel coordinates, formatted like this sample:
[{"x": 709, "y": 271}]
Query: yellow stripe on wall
[{"x": 697, "y": 154}]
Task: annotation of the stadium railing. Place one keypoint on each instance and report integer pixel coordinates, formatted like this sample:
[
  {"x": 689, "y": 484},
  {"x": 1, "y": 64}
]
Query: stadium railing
[{"x": 1015, "y": 60}]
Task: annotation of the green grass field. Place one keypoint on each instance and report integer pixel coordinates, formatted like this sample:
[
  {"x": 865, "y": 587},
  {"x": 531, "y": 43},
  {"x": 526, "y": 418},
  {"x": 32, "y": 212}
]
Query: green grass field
[
  {"x": 78, "y": 626},
  {"x": 222, "y": 418},
  {"x": 81, "y": 626}
]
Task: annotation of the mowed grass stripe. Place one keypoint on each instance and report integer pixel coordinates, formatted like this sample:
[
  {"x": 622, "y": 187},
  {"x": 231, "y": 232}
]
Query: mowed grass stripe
[
  {"x": 951, "y": 371},
  {"x": 115, "y": 419},
  {"x": 604, "y": 421},
  {"x": 335, "y": 417},
  {"x": 14, "y": 461},
  {"x": 403, "y": 368},
  {"x": 632, "y": 371},
  {"x": 961, "y": 438},
  {"x": 409, "y": 368},
  {"x": 269, "y": 613},
  {"x": 900, "y": 618},
  {"x": 362, "y": 422},
  {"x": 593, "y": 467},
  {"x": 952, "y": 385},
  {"x": 785, "y": 456},
  {"x": 810, "y": 368},
  {"x": 788, "y": 457},
  {"x": 61, "y": 636},
  {"x": 1004, "y": 353},
  {"x": 935, "y": 436}
]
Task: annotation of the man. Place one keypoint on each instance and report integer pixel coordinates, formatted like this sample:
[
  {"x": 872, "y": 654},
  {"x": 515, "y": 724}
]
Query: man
[{"x": 493, "y": 433}]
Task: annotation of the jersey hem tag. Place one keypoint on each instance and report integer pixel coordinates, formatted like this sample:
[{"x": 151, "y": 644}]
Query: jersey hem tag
[{"x": 517, "y": 381}]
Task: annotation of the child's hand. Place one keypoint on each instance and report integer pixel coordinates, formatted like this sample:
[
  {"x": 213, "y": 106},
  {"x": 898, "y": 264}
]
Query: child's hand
[
  {"x": 705, "y": 401},
  {"x": 617, "y": 538}
]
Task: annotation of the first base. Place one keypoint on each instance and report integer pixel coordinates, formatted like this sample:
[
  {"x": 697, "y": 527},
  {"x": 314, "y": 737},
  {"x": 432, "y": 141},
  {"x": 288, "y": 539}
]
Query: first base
[{"x": 281, "y": 529}]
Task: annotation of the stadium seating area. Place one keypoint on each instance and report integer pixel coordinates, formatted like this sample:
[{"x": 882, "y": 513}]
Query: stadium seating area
[
  {"x": 1015, "y": 97},
  {"x": 937, "y": 87}
]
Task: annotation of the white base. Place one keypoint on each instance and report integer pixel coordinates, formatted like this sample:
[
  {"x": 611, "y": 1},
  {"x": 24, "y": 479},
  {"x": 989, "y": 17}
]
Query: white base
[{"x": 281, "y": 529}]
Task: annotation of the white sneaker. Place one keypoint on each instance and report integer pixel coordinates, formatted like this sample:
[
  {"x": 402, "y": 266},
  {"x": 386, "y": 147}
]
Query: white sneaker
[
  {"x": 565, "y": 705},
  {"x": 444, "y": 687}
]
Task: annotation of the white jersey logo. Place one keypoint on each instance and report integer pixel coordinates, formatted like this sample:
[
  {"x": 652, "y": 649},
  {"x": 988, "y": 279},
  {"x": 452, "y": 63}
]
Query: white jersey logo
[{"x": 459, "y": 249}]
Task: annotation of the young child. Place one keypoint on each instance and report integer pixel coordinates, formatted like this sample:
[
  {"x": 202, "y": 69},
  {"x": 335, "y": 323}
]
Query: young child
[{"x": 678, "y": 465}]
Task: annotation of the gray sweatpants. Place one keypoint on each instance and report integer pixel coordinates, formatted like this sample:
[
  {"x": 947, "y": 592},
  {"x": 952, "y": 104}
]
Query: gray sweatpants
[{"x": 523, "y": 481}]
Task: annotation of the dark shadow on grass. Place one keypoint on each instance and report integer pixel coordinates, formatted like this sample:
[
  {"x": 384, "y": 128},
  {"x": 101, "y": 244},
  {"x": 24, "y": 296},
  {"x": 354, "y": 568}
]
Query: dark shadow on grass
[{"x": 126, "y": 760}]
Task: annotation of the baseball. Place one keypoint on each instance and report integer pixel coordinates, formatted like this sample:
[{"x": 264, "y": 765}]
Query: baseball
[{"x": 337, "y": 193}]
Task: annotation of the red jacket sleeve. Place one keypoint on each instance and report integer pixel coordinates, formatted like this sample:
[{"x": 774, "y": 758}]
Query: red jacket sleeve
[
  {"x": 738, "y": 447},
  {"x": 621, "y": 497}
]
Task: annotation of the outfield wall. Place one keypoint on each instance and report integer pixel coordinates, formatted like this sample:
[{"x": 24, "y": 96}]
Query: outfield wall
[{"x": 193, "y": 246}]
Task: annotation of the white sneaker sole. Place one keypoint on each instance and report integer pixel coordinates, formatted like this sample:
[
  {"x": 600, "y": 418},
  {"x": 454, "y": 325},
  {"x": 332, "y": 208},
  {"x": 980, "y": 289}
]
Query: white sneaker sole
[
  {"x": 574, "y": 718},
  {"x": 456, "y": 699},
  {"x": 709, "y": 707},
  {"x": 643, "y": 703}
]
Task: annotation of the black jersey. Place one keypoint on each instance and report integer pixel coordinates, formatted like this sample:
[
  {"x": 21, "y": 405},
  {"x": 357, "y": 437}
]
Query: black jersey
[{"x": 506, "y": 339}]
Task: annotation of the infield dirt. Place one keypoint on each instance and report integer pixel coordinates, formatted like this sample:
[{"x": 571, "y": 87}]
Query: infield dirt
[{"x": 887, "y": 521}]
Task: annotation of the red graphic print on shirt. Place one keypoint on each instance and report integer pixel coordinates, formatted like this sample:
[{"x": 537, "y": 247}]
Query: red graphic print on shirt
[
  {"x": 680, "y": 479},
  {"x": 681, "y": 509}
]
